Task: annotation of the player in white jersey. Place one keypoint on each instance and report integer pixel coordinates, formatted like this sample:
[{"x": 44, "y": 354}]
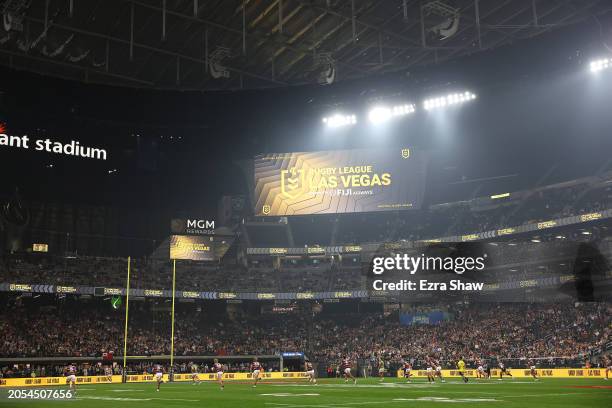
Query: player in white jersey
[
  {"x": 480, "y": 371},
  {"x": 195, "y": 378},
  {"x": 158, "y": 374},
  {"x": 310, "y": 373},
  {"x": 108, "y": 372},
  {"x": 71, "y": 376},
  {"x": 438, "y": 368},
  {"x": 218, "y": 370},
  {"x": 255, "y": 370}
]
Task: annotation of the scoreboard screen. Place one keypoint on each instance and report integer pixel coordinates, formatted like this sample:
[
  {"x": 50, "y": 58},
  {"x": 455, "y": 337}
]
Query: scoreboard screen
[{"x": 339, "y": 181}]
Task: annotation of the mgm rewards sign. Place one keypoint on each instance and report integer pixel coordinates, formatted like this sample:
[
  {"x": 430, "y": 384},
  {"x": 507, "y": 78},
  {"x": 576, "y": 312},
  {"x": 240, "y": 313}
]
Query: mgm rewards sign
[{"x": 339, "y": 181}]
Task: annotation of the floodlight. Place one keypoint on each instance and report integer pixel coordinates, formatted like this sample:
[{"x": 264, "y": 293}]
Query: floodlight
[
  {"x": 380, "y": 114},
  {"x": 601, "y": 64},
  {"x": 338, "y": 120},
  {"x": 450, "y": 99}
]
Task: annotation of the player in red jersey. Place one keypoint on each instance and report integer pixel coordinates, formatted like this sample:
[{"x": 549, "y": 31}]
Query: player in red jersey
[
  {"x": 407, "y": 370},
  {"x": 438, "y": 370},
  {"x": 255, "y": 370},
  {"x": 480, "y": 371},
  {"x": 532, "y": 369},
  {"x": 71, "y": 376},
  {"x": 430, "y": 370},
  {"x": 310, "y": 373},
  {"x": 195, "y": 377},
  {"x": 345, "y": 366},
  {"x": 218, "y": 370},
  {"x": 158, "y": 372}
]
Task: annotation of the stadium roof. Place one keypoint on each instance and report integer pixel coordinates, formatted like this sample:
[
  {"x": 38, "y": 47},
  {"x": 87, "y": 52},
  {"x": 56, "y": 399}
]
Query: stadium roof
[{"x": 246, "y": 44}]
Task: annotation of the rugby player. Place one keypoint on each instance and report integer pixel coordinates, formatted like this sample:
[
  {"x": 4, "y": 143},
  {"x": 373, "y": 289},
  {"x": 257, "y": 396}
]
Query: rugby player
[
  {"x": 346, "y": 370},
  {"x": 158, "y": 373},
  {"x": 532, "y": 370},
  {"x": 480, "y": 370},
  {"x": 438, "y": 368},
  {"x": 255, "y": 370},
  {"x": 108, "y": 372},
  {"x": 407, "y": 370},
  {"x": 218, "y": 370},
  {"x": 430, "y": 373},
  {"x": 71, "y": 376},
  {"x": 310, "y": 373},
  {"x": 381, "y": 367},
  {"x": 461, "y": 369},
  {"x": 195, "y": 378},
  {"x": 503, "y": 370}
]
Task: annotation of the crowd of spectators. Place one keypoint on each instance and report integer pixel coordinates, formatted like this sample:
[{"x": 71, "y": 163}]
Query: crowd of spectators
[{"x": 563, "y": 332}]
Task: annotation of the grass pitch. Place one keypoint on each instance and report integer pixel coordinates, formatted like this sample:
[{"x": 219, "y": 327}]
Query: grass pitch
[{"x": 554, "y": 393}]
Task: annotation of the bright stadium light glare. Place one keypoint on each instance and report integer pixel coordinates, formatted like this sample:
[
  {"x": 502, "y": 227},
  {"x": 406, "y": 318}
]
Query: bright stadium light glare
[
  {"x": 338, "y": 120},
  {"x": 450, "y": 99},
  {"x": 380, "y": 114},
  {"x": 600, "y": 65}
]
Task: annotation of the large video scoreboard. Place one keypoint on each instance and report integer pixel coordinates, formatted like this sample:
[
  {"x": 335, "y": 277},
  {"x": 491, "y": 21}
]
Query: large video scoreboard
[{"x": 339, "y": 181}]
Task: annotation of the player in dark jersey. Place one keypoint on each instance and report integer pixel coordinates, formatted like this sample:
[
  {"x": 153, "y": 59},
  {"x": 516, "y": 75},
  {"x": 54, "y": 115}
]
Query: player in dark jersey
[
  {"x": 218, "y": 370},
  {"x": 345, "y": 367},
  {"x": 310, "y": 372},
  {"x": 255, "y": 370},
  {"x": 487, "y": 369},
  {"x": 503, "y": 371},
  {"x": 532, "y": 369}
]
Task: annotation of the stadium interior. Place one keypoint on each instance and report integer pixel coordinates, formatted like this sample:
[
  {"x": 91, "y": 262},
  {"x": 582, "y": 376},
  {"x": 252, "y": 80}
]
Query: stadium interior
[{"x": 191, "y": 241}]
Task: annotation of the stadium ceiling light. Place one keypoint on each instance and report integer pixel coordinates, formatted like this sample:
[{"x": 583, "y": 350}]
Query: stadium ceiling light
[
  {"x": 338, "y": 120},
  {"x": 380, "y": 114},
  {"x": 448, "y": 100},
  {"x": 601, "y": 64}
]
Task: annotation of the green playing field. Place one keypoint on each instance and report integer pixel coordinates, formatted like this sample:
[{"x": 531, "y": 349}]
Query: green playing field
[{"x": 329, "y": 393}]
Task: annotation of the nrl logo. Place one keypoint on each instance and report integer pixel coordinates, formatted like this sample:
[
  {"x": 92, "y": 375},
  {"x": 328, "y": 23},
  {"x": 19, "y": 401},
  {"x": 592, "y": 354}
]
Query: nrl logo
[
  {"x": 405, "y": 153},
  {"x": 292, "y": 182}
]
